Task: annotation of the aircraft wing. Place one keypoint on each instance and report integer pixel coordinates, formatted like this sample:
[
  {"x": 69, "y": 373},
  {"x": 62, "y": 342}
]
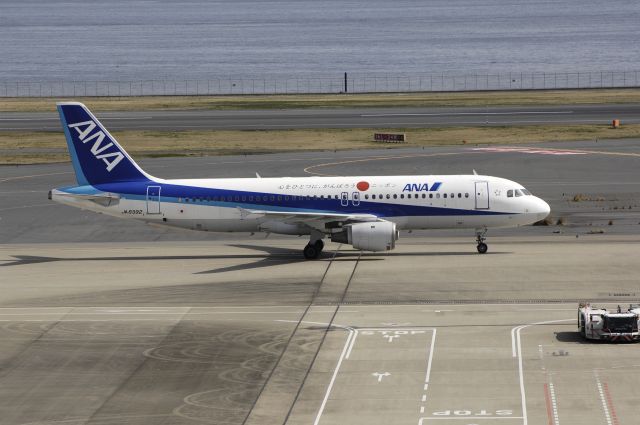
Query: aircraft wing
[{"x": 309, "y": 217}]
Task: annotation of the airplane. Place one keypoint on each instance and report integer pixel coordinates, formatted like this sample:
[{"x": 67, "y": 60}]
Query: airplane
[{"x": 366, "y": 212}]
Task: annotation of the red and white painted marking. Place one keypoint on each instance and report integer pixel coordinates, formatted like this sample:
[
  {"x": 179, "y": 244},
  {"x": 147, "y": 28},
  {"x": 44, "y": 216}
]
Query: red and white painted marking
[{"x": 539, "y": 151}]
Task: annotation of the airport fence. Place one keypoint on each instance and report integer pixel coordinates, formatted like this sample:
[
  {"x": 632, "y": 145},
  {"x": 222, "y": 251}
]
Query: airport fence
[{"x": 344, "y": 83}]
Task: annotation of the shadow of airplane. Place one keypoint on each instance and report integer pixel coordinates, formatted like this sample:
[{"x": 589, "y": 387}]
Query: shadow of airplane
[{"x": 274, "y": 256}]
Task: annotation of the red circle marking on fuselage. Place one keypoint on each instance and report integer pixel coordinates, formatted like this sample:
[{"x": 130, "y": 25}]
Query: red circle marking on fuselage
[{"x": 363, "y": 186}]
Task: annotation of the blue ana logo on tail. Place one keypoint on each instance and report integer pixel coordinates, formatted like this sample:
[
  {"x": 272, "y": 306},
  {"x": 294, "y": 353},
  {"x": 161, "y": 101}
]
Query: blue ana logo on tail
[{"x": 111, "y": 157}]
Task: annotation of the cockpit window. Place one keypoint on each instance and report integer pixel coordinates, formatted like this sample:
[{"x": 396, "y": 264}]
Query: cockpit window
[
  {"x": 510, "y": 193},
  {"x": 526, "y": 192},
  {"x": 518, "y": 193}
]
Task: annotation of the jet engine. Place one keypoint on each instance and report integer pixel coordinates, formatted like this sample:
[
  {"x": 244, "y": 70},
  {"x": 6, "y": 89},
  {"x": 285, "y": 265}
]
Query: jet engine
[{"x": 368, "y": 236}]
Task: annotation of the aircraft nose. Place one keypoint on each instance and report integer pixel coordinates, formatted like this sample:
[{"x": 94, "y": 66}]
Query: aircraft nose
[{"x": 542, "y": 209}]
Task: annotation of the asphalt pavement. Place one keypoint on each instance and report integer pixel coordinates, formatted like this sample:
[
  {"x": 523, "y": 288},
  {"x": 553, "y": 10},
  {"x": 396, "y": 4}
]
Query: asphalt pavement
[
  {"x": 335, "y": 118},
  {"x": 603, "y": 174}
]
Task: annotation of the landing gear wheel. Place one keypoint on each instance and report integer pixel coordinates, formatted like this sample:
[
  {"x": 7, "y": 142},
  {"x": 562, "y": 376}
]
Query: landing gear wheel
[
  {"x": 480, "y": 238},
  {"x": 311, "y": 252},
  {"x": 319, "y": 245}
]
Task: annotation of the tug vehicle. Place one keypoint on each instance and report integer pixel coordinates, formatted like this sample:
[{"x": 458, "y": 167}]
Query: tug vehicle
[{"x": 614, "y": 326}]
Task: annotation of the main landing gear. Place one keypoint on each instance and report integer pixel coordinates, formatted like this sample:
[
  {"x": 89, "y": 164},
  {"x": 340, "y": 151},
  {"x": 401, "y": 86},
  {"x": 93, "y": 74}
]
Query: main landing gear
[
  {"x": 480, "y": 238},
  {"x": 313, "y": 249}
]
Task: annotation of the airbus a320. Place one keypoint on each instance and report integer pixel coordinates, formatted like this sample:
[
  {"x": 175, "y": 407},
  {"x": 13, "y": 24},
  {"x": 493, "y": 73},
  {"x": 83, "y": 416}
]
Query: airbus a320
[{"x": 366, "y": 212}]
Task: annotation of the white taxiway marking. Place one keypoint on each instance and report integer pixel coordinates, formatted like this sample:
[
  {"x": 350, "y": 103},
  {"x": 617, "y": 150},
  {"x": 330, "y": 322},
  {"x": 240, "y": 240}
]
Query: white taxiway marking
[
  {"x": 380, "y": 375},
  {"x": 32, "y": 176},
  {"x": 150, "y": 312},
  {"x": 333, "y": 379},
  {"x": 444, "y": 114},
  {"x": 475, "y": 418},
  {"x": 605, "y": 406},
  {"x": 516, "y": 351},
  {"x": 554, "y": 404},
  {"x": 346, "y": 350},
  {"x": 540, "y": 151},
  {"x": 28, "y": 206}
]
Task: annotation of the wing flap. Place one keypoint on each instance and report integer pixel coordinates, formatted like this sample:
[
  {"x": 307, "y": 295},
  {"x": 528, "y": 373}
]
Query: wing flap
[{"x": 304, "y": 217}]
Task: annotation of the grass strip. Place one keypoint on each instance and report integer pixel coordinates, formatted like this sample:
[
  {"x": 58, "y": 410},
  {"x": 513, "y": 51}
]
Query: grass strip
[
  {"x": 431, "y": 99},
  {"x": 46, "y": 147}
]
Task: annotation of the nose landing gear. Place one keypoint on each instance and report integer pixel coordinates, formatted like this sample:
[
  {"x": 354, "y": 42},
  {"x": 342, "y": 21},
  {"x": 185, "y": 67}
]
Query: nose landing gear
[{"x": 480, "y": 238}]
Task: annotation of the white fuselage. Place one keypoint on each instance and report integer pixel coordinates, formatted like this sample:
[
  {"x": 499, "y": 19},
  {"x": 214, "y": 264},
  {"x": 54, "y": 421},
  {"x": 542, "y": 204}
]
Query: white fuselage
[{"x": 244, "y": 205}]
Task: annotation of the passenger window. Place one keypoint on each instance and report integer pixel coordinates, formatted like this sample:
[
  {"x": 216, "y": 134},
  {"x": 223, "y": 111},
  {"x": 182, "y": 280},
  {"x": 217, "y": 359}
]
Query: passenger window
[
  {"x": 388, "y": 196},
  {"x": 453, "y": 195},
  {"x": 431, "y": 196},
  {"x": 366, "y": 196},
  {"x": 445, "y": 195},
  {"x": 395, "y": 196},
  {"x": 459, "y": 195},
  {"x": 438, "y": 195},
  {"x": 424, "y": 195},
  {"x": 466, "y": 195},
  {"x": 373, "y": 196},
  {"x": 510, "y": 193},
  {"x": 402, "y": 196}
]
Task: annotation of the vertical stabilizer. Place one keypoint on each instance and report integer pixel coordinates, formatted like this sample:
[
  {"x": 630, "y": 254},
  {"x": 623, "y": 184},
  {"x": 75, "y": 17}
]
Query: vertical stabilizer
[{"x": 96, "y": 155}]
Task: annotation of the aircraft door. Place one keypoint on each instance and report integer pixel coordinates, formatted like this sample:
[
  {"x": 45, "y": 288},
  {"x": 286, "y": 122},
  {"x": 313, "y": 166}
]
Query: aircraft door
[
  {"x": 153, "y": 199},
  {"x": 355, "y": 198},
  {"x": 482, "y": 195},
  {"x": 344, "y": 199}
]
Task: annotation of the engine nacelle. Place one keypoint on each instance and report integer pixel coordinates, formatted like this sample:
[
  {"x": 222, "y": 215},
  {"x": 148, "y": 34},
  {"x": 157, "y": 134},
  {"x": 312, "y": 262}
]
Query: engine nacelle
[{"x": 369, "y": 236}]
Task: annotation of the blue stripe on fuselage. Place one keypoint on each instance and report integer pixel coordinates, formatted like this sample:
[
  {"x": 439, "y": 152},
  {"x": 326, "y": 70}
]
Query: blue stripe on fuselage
[{"x": 278, "y": 202}]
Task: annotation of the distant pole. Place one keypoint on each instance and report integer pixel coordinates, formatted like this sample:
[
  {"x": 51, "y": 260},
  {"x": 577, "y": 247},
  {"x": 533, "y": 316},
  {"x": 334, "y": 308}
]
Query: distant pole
[{"x": 346, "y": 88}]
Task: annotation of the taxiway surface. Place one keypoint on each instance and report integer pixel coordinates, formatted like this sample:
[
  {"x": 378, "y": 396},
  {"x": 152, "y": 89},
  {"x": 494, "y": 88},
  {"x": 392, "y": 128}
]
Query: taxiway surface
[
  {"x": 231, "y": 333},
  {"x": 603, "y": 175},
  {"x": 335, "y": 118},
  {"x": 104, "y": 321}
]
